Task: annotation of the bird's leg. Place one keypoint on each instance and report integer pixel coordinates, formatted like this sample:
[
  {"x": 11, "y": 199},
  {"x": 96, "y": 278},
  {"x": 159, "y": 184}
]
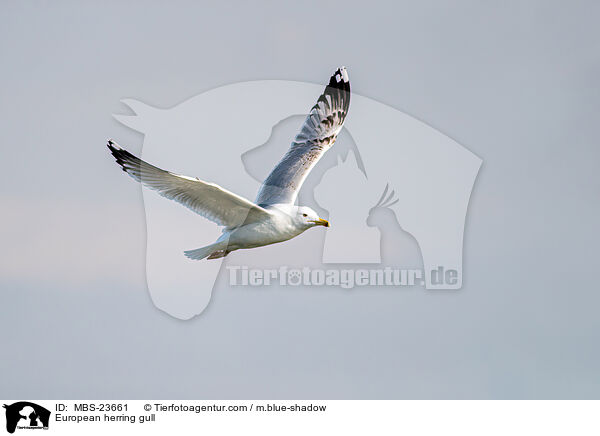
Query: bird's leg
[{"x": 218, "y": 254}]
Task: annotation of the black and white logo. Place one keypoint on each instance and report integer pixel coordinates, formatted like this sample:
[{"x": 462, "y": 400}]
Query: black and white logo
[{"x": 26, "y": 415}]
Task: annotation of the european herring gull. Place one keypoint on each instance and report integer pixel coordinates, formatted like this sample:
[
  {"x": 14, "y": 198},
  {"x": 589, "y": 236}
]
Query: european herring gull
[{"x": 273, "y": 217}]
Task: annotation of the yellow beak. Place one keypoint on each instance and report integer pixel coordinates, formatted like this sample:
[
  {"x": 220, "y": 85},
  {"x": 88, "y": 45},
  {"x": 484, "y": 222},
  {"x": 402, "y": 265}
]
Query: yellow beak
[{"x": 321, "y": 222}]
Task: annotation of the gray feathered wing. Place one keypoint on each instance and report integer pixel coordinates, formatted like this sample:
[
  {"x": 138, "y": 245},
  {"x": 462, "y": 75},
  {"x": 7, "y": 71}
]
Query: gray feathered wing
[
  {"x": 317, "y": 135},
  {"x": 206, "y": 199}
]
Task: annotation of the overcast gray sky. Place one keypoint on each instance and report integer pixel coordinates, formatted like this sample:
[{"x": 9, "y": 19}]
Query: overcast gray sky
[{"x": 514, "y": 82}]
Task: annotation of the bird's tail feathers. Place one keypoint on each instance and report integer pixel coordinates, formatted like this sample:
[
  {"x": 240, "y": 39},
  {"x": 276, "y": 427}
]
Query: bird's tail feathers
[{"x": 212, "y": 251}]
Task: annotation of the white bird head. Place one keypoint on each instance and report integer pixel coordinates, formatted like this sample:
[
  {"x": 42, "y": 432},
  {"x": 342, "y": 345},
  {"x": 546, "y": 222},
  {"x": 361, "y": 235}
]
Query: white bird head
[{"x": 307, "y": 217}]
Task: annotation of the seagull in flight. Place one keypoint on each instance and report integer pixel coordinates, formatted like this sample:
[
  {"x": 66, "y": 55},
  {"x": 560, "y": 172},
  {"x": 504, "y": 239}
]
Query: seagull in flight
[{"x": 273, "y": 217}]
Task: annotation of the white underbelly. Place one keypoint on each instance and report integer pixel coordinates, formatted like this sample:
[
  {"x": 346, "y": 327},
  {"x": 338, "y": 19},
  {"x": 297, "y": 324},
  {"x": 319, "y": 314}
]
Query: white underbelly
[{"x": 258, "y": 235}]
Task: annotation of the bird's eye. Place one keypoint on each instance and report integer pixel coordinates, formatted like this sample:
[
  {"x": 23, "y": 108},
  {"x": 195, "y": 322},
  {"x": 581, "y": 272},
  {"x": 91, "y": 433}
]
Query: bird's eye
[{"x": 304, "y": 215}]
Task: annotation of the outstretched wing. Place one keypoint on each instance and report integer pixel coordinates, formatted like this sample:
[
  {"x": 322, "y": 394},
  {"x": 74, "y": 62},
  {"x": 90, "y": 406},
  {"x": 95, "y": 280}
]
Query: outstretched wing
[
  {"x": 317, "y": 135},
  {"x": 206, "y": 199}
]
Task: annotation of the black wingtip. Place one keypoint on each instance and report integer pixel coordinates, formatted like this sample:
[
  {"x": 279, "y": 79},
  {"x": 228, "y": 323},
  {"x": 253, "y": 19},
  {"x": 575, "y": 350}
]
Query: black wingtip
[
  {"x": 120, "y": 155},
  {"x": 340, "y": 80},
  {"x": 112, "y": 145}
]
